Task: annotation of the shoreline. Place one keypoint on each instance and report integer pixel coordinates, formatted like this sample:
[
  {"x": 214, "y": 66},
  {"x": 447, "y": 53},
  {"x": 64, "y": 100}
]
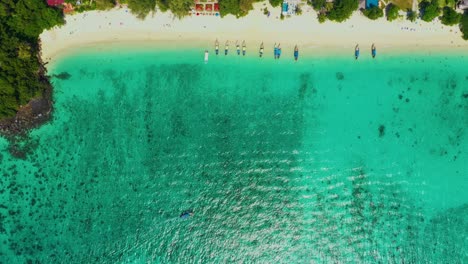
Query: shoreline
[{"x": 118, "y": 26}]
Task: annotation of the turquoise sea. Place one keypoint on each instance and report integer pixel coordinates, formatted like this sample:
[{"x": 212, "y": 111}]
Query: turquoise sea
[{"x": 327, "y": 160}]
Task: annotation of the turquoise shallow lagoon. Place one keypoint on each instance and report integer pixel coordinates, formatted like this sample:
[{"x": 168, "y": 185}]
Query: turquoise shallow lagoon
[{"x": 327, "y": 160}]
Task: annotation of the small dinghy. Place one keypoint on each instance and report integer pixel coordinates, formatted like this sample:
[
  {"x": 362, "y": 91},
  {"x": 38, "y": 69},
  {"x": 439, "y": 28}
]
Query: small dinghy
[
  {"x": 356, "y": 51},
  {"x": 296, "y": 53},
  {"x": 261, "y": 50},
  {"x": 186, "y": 214}
]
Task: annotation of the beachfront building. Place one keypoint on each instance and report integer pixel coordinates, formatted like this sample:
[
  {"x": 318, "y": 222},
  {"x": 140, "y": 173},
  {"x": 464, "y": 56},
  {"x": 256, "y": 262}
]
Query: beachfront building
[
  {"x": 463, "y": 4},
  {"x": 366, "y": 4},
  {"x": 206, "y": 8},
  {"x": 289, "y": 7},
  {"x": 66, "y": 7},
  {"x": 55, "y": 2}
]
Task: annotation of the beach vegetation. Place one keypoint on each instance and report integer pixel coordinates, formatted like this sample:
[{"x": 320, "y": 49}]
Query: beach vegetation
[
  {"x": 163, "y": 5},
  {"x": 141, "y": 8},
  {"x": 322, "y": 17},
  {"x": 450, "y": 3},
  {"x": 180, "y": 8},
  {"x": 411, "y": 15},
  {"x": 317, "y": 4},
  {"x": 22, "y": 74},
  {"x": 104, "y": 4},
  {"x": 450, "y": 17},
  {"x": 374, "y": 12},
  {"x": 275, "y": 3},
  {"x": 87, "y": 5},
  {"x": 238, "y": 8},
  {"x": 298, "y": 10},
  {"x": 404, "y": 4},
  {"x": 429, "y": 10},
  {"x": 342, "y": 10},
  {"x": 464, "y": 25},
  {"x": 282, "y": 16},
  {"x": 392, "y": 12}
]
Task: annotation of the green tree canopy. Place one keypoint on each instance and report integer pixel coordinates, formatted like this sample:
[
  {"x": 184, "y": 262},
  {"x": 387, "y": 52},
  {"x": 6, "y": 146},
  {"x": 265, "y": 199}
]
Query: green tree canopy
[
  {"x": 163, "y": 5},
  {"x": 317, "y": 4},
  {"x": 180, "y": 8},
  {"x": 343, "y": 9},
  {"x": 238, "y": 8},
  {"x": 275, "y": 3},
  {"x": 411, "y": 15},
  {"x": 374, "y": 12},
  {"x": 104, "y": 4},
  {"x": 392, "y": 12},
  {"x": 21, "y": 73},
  {"x": 429, "y": 10},
  {"x": 29, "y": 18},
  {"x": 450, "y": 17},
  {"x": 141, "y": 8},
  {"x": 464, "y": 25}
]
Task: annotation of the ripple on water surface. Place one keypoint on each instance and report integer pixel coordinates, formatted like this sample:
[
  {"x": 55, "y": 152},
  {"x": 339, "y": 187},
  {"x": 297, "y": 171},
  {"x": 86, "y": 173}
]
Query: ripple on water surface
[{"x": 317, "y": 161}]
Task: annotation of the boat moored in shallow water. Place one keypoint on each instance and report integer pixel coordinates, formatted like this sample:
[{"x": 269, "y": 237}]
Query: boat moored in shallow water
[
  {"x": 261, "y": 50},
  {"x": 187, "y": 214},
  {"x": 244, "y": 48},
  {"x": 216, "y": 47},
  {"x": 374, "y": 50},
  {"x": 206, "y": 56},
  {"x": 296, "y": 53},
  {"x": 356, "y": 51},
  {"x": 226, "y": 48}
]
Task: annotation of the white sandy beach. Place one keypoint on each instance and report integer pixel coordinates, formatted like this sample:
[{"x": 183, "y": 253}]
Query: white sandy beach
[{"x": 120, "y": 26}]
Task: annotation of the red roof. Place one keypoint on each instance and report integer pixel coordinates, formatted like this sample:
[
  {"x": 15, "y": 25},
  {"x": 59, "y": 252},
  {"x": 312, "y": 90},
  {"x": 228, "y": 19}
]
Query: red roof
[
  {"x": 199, "y": 7},
  {"x": 54, "y": 2},
  {"x": 216, "y": 7}
]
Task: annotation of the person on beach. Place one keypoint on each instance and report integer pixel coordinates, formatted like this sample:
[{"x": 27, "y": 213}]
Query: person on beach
[
  {"x": 216, "y": 47},
  {"x": 226, "y": 48},
  {"x": 237, "y": 48},
  {"x": 261, "y": 50},
  {"x": 243, "y": 48}
]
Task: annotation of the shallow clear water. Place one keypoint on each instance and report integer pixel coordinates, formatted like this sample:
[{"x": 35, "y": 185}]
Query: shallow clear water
[{"x": 327, "y": 160}]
